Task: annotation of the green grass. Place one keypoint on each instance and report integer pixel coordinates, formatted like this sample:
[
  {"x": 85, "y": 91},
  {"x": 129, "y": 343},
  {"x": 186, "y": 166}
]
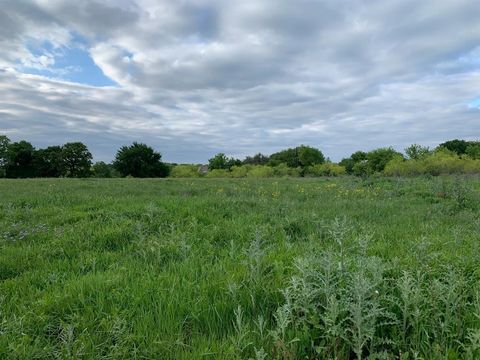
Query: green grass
[{"x": 226, "y": 269}]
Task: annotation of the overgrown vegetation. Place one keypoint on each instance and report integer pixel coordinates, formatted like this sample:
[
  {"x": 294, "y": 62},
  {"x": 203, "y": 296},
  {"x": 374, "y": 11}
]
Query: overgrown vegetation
[
  {"x": 22, "y": 160},
  {"x": 346, "y": 268}
]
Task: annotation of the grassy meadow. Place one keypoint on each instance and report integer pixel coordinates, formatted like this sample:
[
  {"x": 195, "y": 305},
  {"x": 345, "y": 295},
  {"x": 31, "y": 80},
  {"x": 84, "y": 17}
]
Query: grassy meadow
[{"x": 346, "y": 268}]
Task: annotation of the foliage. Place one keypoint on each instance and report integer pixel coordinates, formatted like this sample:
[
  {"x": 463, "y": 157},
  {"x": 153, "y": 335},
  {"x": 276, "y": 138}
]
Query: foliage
[
  {"x": 283, "y": 170},
  {"x": 301, "y": 156},
  {"x": 379, "y": 158},
  {"x": 417, "y": 152},
  {"x": 77, "y": 160},
  {"x": 440, "y": 162},
  {"x": 473, "y": 150},
  {"x": 457, "y": 146},
  {"x": 49, "y": 162},
  {"x": 355, "y": 158},
  {"x": 140, "y": 160},
  {"x": 261, "y": 171},
  {"x": 103, "y": 170},
  {"x": 257, "y": 159},
  {"x": 220, "y": 161},
  {"x": 4, "y": 143},
  {"x": 19, "y": 162},
  {"x": 185, "y": 171},
  {"x": 326, "y": 169}
]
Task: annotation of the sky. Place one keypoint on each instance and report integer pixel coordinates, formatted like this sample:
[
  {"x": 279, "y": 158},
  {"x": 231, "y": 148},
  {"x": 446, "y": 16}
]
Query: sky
[{"x": 198, "y": 77}]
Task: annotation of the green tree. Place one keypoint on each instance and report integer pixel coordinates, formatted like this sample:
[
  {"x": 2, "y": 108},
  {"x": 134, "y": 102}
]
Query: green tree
[
  {"x": 457, "y": 146},
  {"x": 220, "y": 161},
  {"x": 140, "y": 160},
  {"x": 300, "y": 156},
  {"x": 48, "y": 162},
  {"x": 379, "y": 158},
  {"x": 4, "y": 143},
  {"x": 417, "y": 152},
  {"x": 103, "y": 170},
  {"x": 350, "y": 162},
  {"x": 473, "y": 149},
  {"x": 19, "y": 160},
  {"x": 257, "y": 159},
  {"x": 77, "y": 160}
]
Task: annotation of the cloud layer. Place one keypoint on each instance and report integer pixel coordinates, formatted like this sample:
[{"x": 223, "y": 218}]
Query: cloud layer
[{"x": 193, "y": 78}]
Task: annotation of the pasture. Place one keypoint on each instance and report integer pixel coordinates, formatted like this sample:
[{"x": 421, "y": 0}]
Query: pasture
[{"x": 347, "y": 268}]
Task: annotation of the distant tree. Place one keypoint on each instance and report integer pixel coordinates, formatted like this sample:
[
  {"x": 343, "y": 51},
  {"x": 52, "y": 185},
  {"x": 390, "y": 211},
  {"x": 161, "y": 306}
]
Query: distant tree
[
  {"x": 48, "y": 162},
  {"x": 350, "y": 162},
  {"x": 257, "y": 159},
  {"x": 140, "y": 160},
  {"x": 103, "y": 170},
  {"x": 220, "y": 161},
  {"x": 77, "y": 160},
  {"x": 4, "y": 143},
  {"x": 457, "y": 146},
  {"x": 417, "y": 152},
  {"x": 19, "y": 160},
  {"x": 301, "y": 156},
  {"x": 377, "y": 159},
  {"x": 473, "y": 150},
  {"x": 309, "y": 156}
]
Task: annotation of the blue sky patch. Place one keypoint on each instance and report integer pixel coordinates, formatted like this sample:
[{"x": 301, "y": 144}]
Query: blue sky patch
[
  {"x": 66, "y": 63},
  {"x": 475, "y": 104}
]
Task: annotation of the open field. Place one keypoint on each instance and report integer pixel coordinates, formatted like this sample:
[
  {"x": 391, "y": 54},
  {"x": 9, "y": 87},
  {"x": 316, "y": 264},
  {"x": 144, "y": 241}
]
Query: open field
[{"x": 224, "y": 269}]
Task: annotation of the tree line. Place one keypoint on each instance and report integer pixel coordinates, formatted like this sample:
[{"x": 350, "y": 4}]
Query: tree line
[{"x": 21, "y": 160}]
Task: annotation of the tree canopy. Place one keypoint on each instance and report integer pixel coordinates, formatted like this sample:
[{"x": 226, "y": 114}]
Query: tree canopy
[
  {"x": 140, "y": 160},
  {"x": 300, "y": 156},
  {"x": 77, "y": 160}
]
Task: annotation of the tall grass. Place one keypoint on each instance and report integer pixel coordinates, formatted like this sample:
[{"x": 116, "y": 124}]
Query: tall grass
[{"x": 240, "y": 268}]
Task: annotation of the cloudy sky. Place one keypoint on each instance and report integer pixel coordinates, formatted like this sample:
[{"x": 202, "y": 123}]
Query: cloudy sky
[{"x": 193, "y": 78}]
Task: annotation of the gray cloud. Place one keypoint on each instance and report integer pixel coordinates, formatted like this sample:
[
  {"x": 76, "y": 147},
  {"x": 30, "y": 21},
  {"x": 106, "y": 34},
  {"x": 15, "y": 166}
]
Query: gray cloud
[{"x": 201, "y": 76}]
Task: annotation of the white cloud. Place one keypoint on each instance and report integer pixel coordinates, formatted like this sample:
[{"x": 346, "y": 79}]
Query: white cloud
[{"x": 200, "y": 76}]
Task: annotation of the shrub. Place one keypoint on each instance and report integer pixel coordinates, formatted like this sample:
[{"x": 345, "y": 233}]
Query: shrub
[
  {"x": 260, "y": 171},
  {"x": 239, "y": 171},
  {"x": 327, "y": 169},
  {"x": 284, "y": 170},
  {"x": 218, "y": 173},
  {"x": 185, "y": 171},
  {"x": 439, "y": 163}
]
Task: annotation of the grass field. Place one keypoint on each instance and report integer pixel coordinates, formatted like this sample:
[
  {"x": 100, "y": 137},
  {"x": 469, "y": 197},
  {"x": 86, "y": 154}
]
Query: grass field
[{"x": 223, "y": 269}]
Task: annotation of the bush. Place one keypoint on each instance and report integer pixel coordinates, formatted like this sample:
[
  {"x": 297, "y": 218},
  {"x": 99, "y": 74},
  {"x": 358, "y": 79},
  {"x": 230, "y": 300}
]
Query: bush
[
  {"x": 327, "y": 169},
  {"x": 283, "y": 170},
  {"x": 185, "y": 171},
  {"x": 439, "y": 163},
  {"x": 239, "y": 171},
  {"x": 260, "y": 171}
]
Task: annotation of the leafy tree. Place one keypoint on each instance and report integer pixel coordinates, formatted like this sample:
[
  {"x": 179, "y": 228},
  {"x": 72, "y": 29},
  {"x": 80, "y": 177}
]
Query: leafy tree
[
  {"x": 473, "y": 149},
  {"x": 48, "y": 162},
  {"x": 301, "y": 156},
  {"x": 379, "y": 158},
  {"x": 140, "y": 160},
  {"x": 19, "y": 158},
  {"x": 103, "y": 170},
  {"x": 220, "y": 161},
  {"x": 309, "y": 156},
  {"x": 355, "y": 158},
  {"x": 457, "y": 146},
  {"x": 77, "y": 160},
  {"x": 257, "y": 159},
  {"x": 4, "y": 143},
  {"x": 417, "y": 152}
]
